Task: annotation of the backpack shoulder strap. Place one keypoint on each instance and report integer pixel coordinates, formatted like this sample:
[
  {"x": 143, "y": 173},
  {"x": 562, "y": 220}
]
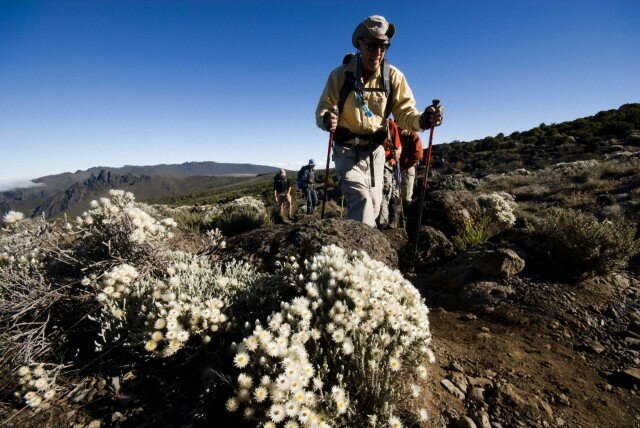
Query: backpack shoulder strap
[
  {"x": 386, "y": 77},
  {"x": 386, "y": 84},
  {"x": 348, "y": 86}
]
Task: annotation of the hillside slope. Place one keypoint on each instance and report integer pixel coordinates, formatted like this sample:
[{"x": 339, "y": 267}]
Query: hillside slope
[{"x": 586, "y": 138}]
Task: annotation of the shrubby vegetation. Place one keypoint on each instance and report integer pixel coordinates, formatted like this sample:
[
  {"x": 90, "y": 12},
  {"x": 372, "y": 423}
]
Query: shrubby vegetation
[
  {"x": 577, "y": 244},
  {"x": 241, "y": 215},
  {"x": 497, "y": 215},
  {"x": 86, "y": 301},
  {"x": 581, "y": 139}
]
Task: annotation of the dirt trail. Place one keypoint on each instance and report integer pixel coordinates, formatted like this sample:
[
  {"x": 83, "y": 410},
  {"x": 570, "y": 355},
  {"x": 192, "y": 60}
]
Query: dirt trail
[{"x": 551, "y": 355}]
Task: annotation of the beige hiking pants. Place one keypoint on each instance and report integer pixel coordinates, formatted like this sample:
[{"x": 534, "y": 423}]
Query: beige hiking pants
[
  {"x": 408, "y": 180},
  {"x": 363, "y": 197}
]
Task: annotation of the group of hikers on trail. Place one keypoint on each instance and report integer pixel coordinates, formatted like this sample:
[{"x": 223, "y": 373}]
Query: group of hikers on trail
[
  {"x": 306, "y": 182},
  {"x": 355, "y": 108}
]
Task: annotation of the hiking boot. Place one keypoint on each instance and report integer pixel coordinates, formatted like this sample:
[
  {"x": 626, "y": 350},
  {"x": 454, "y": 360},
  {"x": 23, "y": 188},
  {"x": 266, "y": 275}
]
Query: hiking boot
[{"x": 392, "y": 224}]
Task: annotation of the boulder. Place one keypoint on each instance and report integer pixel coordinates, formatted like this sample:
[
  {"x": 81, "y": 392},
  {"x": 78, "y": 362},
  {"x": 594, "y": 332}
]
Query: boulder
[
  {"x": 269, "y": 245},
  {"x": 484, "y": 293},
  {"x": 445, "y": 210},
  {"x": 484, "y": 262},
  {"x": 452, "y": 389},
  {"x": 627, "y": 377},
  {"x": 500, "y": 263},
  {"x": 462, "y": 422},
  {"x": 449, "y": 210},
  {"x": 433, "y": 247}
]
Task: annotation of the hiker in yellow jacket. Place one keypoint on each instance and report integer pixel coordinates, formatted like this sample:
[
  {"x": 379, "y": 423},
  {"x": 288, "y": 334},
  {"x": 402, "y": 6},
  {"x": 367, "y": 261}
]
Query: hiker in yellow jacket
[{"x": 356, "y": 102}]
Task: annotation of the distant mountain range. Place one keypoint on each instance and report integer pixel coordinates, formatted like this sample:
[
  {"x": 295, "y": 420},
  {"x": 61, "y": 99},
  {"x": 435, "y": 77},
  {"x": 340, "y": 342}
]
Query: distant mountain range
[{"x": 70, "y": 193}]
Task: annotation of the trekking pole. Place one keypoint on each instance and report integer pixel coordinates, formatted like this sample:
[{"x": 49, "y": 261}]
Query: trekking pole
[
  {"x": 423, "y": 190},
  {"x": 326, "y": 175}
]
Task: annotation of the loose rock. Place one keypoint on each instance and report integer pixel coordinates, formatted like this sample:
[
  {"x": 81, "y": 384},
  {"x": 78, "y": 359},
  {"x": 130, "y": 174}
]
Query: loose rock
[{"x": 452, "y": 389}]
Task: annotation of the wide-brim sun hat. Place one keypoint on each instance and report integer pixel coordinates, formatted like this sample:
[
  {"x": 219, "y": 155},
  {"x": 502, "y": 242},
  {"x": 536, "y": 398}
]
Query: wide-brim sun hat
[
  {"x": 374, "y": 26},
  {"x": 312, "y": 162}
]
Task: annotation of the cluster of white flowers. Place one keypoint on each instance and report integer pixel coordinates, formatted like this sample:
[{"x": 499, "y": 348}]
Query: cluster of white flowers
[
  {"x": 574, "y": 167},
  {"x": 119, "y": 210},
  {"x": 9, "y": 257},
  {"x": 21, "y": 249},
  {"x": 457, "y": 182},
  {"x": 357, "y": 323},
  {"x": 246, "y": 201},
  {"x": 37, "y": 386},
  {"x": 499, "y": 207},
  {"x": 188, "y": 301},
  {"x": 215, "y": 239},
  {"x": 183, "y": 306},
  {"x": 12, "y": 218},
  {"x": 115, "y": 283}
]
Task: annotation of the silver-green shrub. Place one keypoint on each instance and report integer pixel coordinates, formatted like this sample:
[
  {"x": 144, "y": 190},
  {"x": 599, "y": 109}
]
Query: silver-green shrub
[
  {"x": 182, "y": 308},
  {"x": 579, "y": 245},
  {"x": 25, "y": 298},
  {"x": 116, "y": 228},
  {"x": 241, "y": 215},
  {"x": 499, "y": 208}
]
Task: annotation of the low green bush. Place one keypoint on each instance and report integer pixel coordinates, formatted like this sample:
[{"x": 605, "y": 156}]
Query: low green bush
[
  {"x": 240, "y": 216},
  {"x": 475, "y": 232},
  {"x": 578, "y": 245}
]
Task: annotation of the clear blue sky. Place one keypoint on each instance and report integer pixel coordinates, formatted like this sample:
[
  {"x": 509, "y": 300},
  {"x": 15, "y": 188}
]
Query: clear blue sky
[{"x": 109, "y": 83}]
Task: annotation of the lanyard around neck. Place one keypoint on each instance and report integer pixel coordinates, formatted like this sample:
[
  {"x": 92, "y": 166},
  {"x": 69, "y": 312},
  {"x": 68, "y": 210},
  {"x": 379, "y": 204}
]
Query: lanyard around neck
[{"x": 359, "y": 89}]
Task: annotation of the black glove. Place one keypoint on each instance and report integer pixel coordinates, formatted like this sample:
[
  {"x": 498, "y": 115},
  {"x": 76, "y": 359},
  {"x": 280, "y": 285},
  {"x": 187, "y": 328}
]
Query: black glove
[
  {"x": 329, "y": 121},
  {"x": 432, "y": 116}
]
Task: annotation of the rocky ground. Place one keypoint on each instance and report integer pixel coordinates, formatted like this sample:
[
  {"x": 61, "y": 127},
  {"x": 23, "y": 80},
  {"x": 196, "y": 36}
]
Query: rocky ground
[
  {"x": 536, "y": 354},
  {"x": 513, "y": 349}
]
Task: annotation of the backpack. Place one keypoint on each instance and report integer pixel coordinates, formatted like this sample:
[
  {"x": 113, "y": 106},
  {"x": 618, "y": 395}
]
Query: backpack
[
  {"x": 412, "y": 150},
  {"x": 392, "y": 143},
  {"x": 300, "y": 181},
  {"x": 350, "y": 85}
]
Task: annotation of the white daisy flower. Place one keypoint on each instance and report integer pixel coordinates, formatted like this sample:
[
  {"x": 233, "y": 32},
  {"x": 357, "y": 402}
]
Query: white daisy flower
[{"x": 241, "y": 360}]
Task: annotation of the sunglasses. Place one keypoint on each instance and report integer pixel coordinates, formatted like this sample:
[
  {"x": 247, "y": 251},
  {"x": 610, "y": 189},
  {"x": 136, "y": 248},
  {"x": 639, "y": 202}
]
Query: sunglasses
[{"x": 374, "y": 46}]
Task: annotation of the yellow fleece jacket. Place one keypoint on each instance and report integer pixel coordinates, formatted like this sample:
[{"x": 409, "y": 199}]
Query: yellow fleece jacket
[{"x": 353, "y": 117}]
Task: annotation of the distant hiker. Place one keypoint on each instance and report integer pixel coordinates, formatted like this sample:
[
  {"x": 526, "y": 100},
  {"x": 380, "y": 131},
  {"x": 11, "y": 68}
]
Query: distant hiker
[
  {"x": 282, "y": 192},
  {"x": 389, "y": 210},
  {"x": 412, "y": 150},
  {"x": 355, "y": 104},
  {"x": 307, "y": 183}
]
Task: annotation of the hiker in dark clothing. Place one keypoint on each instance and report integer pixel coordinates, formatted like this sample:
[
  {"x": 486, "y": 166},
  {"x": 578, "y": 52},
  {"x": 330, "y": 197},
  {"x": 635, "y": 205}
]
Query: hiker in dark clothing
[
  {"x": 308, "y": 185},
  {"x": 282, "y": 192}
]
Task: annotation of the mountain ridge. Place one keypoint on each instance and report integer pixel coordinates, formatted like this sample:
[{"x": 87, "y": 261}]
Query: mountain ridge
[{"x": 66, "y": 192}]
